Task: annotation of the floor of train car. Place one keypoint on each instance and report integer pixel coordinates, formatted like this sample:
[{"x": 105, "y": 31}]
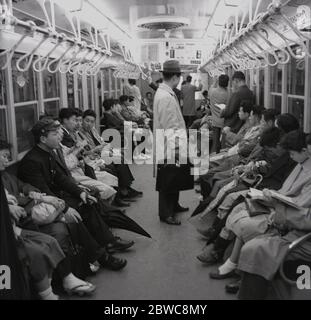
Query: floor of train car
[{"x": 165, "y": 267}]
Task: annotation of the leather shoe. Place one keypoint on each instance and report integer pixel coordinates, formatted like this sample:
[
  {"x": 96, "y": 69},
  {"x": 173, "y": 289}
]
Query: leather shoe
[
  {"x": 171, "y": 220},
  {"x": 209, "y": 257},
  {"x": 119, "y": 245},
  {"x": 112, "y": 263},
  {"x": 234, "y": 287},
  {"x": 210, "y": 235},
  {"x": 134, "y": 193},
  {"x": 121, "y": 204},
  {"x": 180, "y": 209},
  {"x": 217, "y": 276}
]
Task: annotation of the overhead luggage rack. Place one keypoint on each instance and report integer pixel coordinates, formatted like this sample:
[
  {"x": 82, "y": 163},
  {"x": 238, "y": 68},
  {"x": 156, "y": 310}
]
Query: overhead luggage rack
[{"x": 267, "y": 40}]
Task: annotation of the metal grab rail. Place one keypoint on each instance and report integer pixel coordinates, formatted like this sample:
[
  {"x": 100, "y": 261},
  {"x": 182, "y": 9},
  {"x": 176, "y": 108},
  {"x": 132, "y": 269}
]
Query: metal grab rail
[
  {"x": 288, "y": 44},
  {"x": 10, "y": 52},
  {"x": 30, "y": 55},
  {"x": 290, "y": 249},
  {"x": 37, "y": 66},
  {"x": 58, "y": 61},
  {"x": 248, "y": 61},
  {"x": 274, "y": 49}
]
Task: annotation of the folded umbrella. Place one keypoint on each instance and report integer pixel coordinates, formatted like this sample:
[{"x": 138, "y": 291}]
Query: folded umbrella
[
  {"x": 202, "y": 206},
  {"x": 120, "y": 221},
  {"x": 115, "y": 218}
]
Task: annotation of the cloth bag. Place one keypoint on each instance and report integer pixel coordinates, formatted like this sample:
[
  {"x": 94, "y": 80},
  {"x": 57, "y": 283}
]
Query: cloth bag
[{"x": 44, "y": 213}]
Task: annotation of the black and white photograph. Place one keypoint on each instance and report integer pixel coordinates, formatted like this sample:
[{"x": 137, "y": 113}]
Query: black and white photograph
[{"x": 155, "y": 155}]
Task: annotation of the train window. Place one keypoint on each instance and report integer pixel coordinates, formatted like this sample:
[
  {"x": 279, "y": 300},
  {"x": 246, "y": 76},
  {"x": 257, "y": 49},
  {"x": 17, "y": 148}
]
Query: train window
[
  {"x": 296, "y": 108},
  {"x": 50, "y": 84},
  {"x": 70, "y": 91},
  {"x": 296, "y": 77},
  {"x": 2, "y": 88},
  {"x": 26, "y": 117},
  {"x": 113, "y": 83},
  {"x": 90, "y": 92},
  {"x": 276, "y": 79},
  {"x": 23, "y": 83},
  {"x": 276, "y": 102},
  {"x": 52, "y": 108},
  {"x": 80, "y": 92},
  {"x": 261, "y": 87},
  {"x": 3, "y": 124},
  {"x": 106, "y": 80}
]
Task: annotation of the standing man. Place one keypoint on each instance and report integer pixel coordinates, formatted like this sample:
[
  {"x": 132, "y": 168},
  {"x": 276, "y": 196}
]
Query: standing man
[
  {"x": 132, "y": 90},
  {"x": 188, "y": 95},
  {"x": 241, "y": 92},
  {"x": 173, "y": 175},
  {"x": 218, "y": 96}
]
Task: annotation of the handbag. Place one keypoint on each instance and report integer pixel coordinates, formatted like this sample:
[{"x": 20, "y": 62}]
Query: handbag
[
  {"x": 44, "y": 213},
  {"x": 255, "y": 207}
]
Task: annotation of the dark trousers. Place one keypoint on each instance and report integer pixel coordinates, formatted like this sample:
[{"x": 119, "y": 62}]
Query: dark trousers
[
  {"x": 189, "y": 120},
  {"x": 216, "y": 146},
  {"x": 123, "y": 173},
  {"x": 96, "y": 226},
  {"x": 69, "y": 235},
  {"x": 253, "y": 287},
  {"x": 167, "y": 204},
  {"x": 92, "y": 220}
]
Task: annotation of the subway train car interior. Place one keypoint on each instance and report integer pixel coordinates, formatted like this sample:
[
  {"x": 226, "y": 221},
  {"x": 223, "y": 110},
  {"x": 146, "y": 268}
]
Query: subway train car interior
[{"x": 155, "y": 150}]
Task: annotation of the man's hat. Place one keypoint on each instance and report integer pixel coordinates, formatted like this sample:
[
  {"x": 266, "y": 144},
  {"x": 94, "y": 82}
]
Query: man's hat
[
  {"x": 45, "y": 125},
  {"x": 171, "y": 66}
]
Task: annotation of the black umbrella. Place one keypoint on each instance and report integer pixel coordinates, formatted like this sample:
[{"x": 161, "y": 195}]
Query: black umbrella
[
  {"x": 9, "y": 254},
  {"x": 115, "y": 218},
  {"x": 202, "y": 206},
  {"x": 121, "y": 221}
]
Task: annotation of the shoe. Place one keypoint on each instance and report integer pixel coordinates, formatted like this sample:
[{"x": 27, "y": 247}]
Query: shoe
[
  {"x": 209, "y": 257},
  {"x": 171, "y": 220},
  {"x": 81, "y": 290},
  {"x": 234, "y": 287},
  {"x": 210, "y": 235},
  {"x": 180, "y": 209},
  {"x": 112, "y": 263},
  {"x": 134, "y": 193},
  {"x": 120, "y": 203},
  {"x": 217, "y": 276},
  {"x": 119, "y": 245}
]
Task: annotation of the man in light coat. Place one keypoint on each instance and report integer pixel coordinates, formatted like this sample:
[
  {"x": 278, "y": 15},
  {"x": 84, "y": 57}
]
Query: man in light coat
[{"x": 171, "y": 145}]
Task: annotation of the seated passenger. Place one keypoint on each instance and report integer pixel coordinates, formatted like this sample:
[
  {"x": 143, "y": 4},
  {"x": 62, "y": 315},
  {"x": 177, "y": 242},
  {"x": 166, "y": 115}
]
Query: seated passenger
[
  {"x": 247, "y": 223},
  {"x": 274, "y": 171},
  {"x": 96, "y": 144},
  {"x": 244, "y": 147},
  {"x": 261, "y": 257},
  {"x": 44, "y": 168},
  {"x": 109, "y": 119},
  {"x": 72, "y": 151},
  {"x": 126, "y": 113},
  {"x": 43, "y": 252}
]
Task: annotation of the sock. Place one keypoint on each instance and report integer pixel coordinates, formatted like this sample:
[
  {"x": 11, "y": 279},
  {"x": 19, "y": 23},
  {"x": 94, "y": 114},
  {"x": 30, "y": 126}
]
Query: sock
[
  {"x": 48, "y": 295},
  {"x": 227, "y": 267},
  {"x": 72, "y": 281}
]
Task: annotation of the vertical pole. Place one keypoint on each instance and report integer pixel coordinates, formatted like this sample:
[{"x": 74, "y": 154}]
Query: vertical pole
[
  {"x": 307, "y": 116},
  {"x": 267, "y": 87},
  {"x": 63, "y": 90},
  {"x": 85, "y": 96},
  {"x": 11, "y": 112},
  {"x": 284, "y": 88}
]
